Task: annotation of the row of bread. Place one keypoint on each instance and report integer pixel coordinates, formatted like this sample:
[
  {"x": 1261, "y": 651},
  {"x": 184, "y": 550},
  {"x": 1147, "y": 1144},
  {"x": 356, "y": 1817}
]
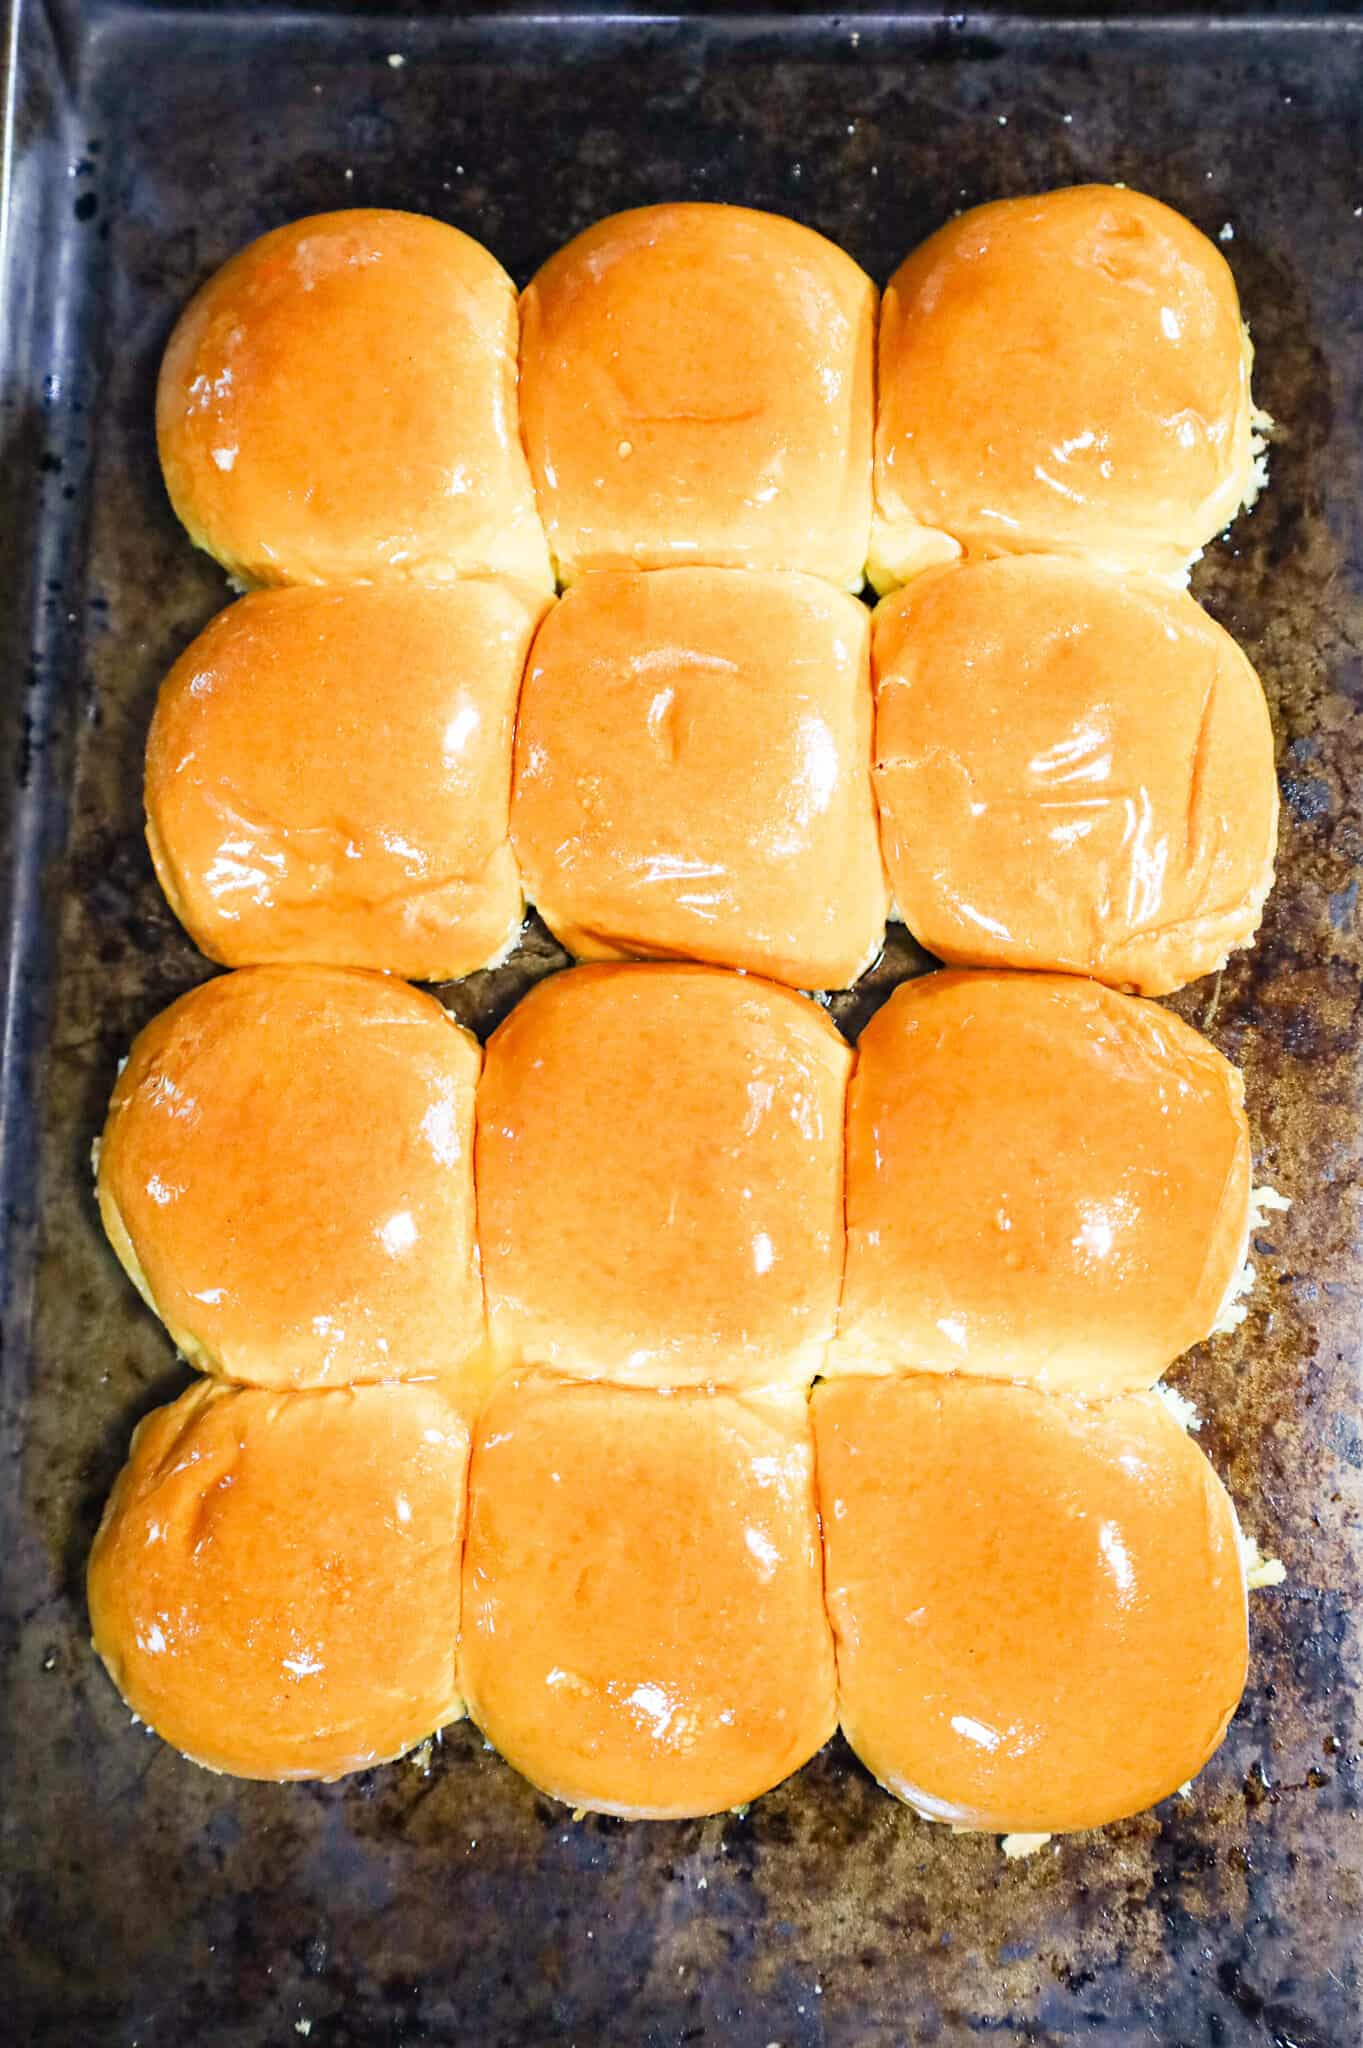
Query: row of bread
[
  {"x": 683, "y": 1178},
  {"x": 1037, "y": 1606},
  {"x": 1063, "y": 770},
  {"x": 359, "y": 394}
]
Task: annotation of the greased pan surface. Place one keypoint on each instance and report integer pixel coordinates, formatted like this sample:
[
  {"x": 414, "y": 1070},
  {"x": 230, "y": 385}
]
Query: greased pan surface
[{"x": 148, "y": 1902}]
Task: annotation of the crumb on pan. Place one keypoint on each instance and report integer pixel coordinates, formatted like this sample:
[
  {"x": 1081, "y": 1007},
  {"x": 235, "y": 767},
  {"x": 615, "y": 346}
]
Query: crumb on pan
[
  {"x": 1263, "y": 1202},
  {"x": 1015, "y": 1847},
  {"x": 1260, "y": 1571}
]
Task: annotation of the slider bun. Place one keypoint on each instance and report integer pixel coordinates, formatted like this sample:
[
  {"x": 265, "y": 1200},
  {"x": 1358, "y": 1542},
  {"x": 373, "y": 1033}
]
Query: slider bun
[
  {"x": 697, "y": 387},
  {"x": 660, "y": 1178},
  {"x": 1045, "y": 1181},
  {"x": 329, "y": 777},
  {"x": 1074, "y": 771},
  {"x": 275, "y": 1585},
  {"x": 692, "y": 775},
  {"x": 1039, "y": 1606},
  {"x": 1063, "y": 374},
  {"x": 644, "y": 1631},
  {"x": 338, "y": 403},
  {"x": 286, "y": 1174}
]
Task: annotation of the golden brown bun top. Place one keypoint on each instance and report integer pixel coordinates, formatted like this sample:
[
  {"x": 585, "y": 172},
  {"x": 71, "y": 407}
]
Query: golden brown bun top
[
  {"x": 339, "y": 402},
  {"x": 634, "y": 830},
  {"x": 697, "y": 386},
  {"x": 1063, "y": 373},
  {"x": 329, "y": 777},
  {"x": 1045, "y": 1181},
  {"x": 660, "y": 1177},
  {"x": 1074, "y": 771},
  {"x": 275, "y": 1584},
  {"x": 286, "y": 1172},
  {"x": 644, "y": 1629},
  {"x": 1039, "y": 1606}
]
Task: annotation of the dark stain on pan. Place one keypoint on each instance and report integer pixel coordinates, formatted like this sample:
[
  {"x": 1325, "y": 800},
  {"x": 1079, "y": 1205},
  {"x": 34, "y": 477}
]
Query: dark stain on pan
[{"x": 150, "y": 1903}]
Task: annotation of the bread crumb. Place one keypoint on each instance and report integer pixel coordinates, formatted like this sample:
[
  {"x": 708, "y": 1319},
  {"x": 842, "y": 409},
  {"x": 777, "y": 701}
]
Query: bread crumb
[
  {"x": 396, "y": 60},
  {"x": 302, "y": 2027},
  {"x": 1260, "y": 1571},
  {"x": 1226, "y": 232},
  {"x": 1015, "y": 1847}
]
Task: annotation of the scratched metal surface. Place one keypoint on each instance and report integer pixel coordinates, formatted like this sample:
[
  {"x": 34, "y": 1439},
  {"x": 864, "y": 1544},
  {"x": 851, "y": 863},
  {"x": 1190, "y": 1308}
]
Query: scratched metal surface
[{"x": 149, "y": 1903}]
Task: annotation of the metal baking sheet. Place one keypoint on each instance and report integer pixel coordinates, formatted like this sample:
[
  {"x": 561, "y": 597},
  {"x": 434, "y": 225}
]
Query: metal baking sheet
[{"x": 148, "y": 1903}]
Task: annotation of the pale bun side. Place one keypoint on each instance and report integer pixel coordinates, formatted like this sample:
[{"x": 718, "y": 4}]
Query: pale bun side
[
  {"x": 286, "y": 1173},
  {"x": 1046, "y": 1182},
  {"x": 643, "y": 1621},
  {"x": 274, "y": 1587},
  {"x": 697, "y": 386},
  {"x": 1039, "y": 1605},
  {"x": 1074, "y": 772},
  {"x": 328, "y": 777},
  {"x": 338, "y": 403},
  {"x": 659, "y": 1167},
  {"x": 1065, "y": 374},
  {"x": 693, "y": 774}
]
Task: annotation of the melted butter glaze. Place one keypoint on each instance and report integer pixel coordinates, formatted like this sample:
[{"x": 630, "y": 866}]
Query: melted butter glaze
[
  {"x": 1074, "y": 771},
  {"x": 643, "y": 1621},
  {"x": 697, "y": 387},
  {"x": 1068, "y": 374},
  {"x": 263, "y": 1556},
  {"x": 287, "y": 1173},
  {"x": 1046, "y": 1181},
  {"x": 1074, "y": 1651},
  {"x": 304, "y": 412},
  {"x": 660, "y": 1177},
  {"x": 692, "y": 776}
]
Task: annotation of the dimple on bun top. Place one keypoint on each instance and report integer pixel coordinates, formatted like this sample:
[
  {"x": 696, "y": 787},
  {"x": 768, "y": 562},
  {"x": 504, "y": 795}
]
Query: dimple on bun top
[
  {"x": 697, "y": 387},
  {"x": 339, "y": 402},
  {"x": 1067, "y": 374}
]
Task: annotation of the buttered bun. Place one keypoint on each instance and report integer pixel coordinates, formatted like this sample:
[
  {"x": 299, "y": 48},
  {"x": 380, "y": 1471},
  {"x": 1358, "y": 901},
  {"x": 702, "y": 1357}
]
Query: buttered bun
[
  {"x": 644, "y": 1630},
  {"x": 286, "y": 1173},
  {"x": 660, "y": 1178},
  {"x": 1046, "y": 1181},
  {"x": 1039, "y": 1606},
  {"x": 1064, "y": 374},
  {"x": 692, "y": 774},
  {"x": 1074, "y": 771},
  {"x": 329, "y": 777},
  {"x": 697, "y": 387},
  {"x": 338, "y": 403},
  {"x": 275, "y": 1585}
]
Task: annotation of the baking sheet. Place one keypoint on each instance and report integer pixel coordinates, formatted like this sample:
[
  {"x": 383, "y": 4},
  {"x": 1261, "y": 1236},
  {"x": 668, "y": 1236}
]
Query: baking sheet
[{"x": 149, "y": 1903}]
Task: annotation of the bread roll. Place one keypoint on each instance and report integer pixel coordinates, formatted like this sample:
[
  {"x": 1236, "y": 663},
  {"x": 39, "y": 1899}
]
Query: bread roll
[
  {"x": 1039, "y": 1606},
  {"x": 1063, "y": 374},
  {"x": 286, "y": 1174},
  {"x": 660, "y": 1178},
  {"x": 275, "y": 1585},
  {"x": 338, "y": 403},
  {"x": 1074, "y": 771},
  {"x": 697, "y": 387},
  {"x": 329, "y": 777},
  {"x": 644, "y": 1631},
  {"x": 693, "y": 774},
  {"x": 1045, "y": 1181}
]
